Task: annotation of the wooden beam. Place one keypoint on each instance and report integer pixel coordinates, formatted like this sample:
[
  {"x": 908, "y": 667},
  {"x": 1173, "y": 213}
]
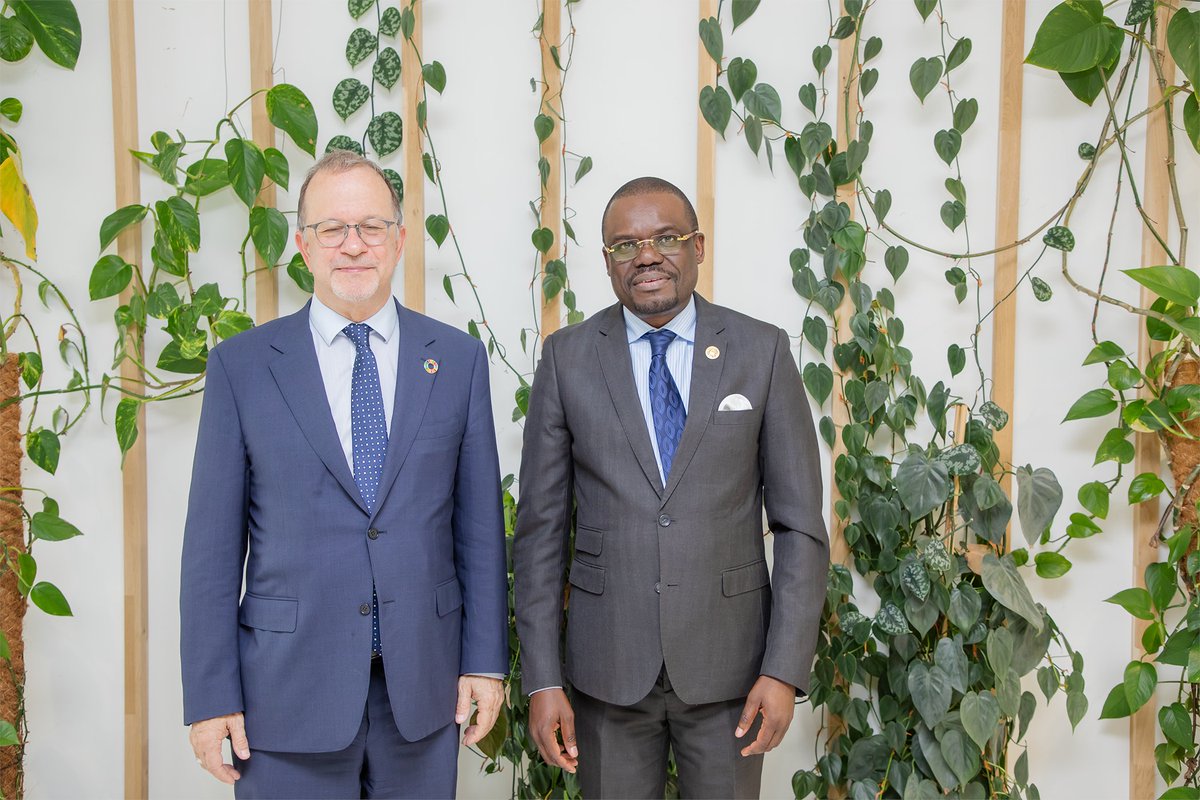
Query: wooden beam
[
  {"x": 266, "y": 279},
  {"x": 1008, "y": 202},
  {"x": 133, "y": 473},
  {"x": 551, "y": 213},
  {"x": 706, "y": 161},
  {"x": 1147, "y": 455},
  {"x": 847, "y": 120},
  {"x": 413, "y": 205}
]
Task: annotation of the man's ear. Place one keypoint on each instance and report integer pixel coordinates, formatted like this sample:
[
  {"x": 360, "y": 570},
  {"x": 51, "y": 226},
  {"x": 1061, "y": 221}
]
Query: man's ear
[
  {"x": 699, "y": 239},
  {"x": 302, "y": 246}
]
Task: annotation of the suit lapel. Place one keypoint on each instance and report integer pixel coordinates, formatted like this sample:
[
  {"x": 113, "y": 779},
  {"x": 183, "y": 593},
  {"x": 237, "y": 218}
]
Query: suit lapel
[
  {"x": 298, "y": 376},
  {"x": 706, "y": 377},
  {"x": 413, "y": 387},
  {"x": 613, "y": 351}
]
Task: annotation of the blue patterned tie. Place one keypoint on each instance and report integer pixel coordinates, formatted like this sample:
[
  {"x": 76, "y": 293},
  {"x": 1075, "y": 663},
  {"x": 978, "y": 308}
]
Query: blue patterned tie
[
  {"x": 368, "y": 429},
  {"x": 665, "y": 403}
]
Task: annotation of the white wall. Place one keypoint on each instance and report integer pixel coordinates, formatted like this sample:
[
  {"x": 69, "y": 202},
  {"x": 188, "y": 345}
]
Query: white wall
[{"x": 630, "y": 101}]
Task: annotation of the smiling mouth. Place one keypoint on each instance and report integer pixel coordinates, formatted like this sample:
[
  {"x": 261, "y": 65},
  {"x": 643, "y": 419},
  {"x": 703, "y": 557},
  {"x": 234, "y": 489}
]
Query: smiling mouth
[{"x": 651, "y": 283}]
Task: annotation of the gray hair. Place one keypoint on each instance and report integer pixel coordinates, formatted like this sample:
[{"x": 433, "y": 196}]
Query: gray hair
[{"x": 338, "y": 161}]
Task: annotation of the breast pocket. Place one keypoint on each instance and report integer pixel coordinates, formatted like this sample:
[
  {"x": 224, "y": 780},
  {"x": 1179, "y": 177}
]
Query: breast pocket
[
  {"x": 439, "y": 429},
  {"x": 749, "y": 416}
]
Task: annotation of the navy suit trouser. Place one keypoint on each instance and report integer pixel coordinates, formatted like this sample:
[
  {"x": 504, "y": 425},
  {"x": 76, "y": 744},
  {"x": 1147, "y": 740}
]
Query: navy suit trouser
[{"x": 379, "y": 762}]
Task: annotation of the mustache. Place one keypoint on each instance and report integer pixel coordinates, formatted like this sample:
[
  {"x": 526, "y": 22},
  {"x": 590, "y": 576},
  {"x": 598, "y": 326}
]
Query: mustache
[{"x": 650, "y": 273}]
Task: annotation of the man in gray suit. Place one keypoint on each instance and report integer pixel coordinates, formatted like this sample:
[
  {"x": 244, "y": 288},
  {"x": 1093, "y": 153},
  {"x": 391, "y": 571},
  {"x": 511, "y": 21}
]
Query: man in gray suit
[{"x": 667, "y": 423}]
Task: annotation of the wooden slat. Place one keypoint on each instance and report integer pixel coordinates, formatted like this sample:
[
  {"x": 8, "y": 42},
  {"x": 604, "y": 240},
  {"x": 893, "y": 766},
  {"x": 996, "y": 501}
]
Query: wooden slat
[
  {"x": 133, "y": 474},
  {"x": 706, "y": 161},
  {"x": 839, "y": 551},
  {"x": 551, "y": 212},
  {"x": 414, "y": 170},
  {"x": 1008, "y": 202},
  {"x": 1147, "y": 457},
  {"x": 266, "y": 281}
]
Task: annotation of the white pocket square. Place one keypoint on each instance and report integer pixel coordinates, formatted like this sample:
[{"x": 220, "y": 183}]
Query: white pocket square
[{"x": 735, "y": 402}]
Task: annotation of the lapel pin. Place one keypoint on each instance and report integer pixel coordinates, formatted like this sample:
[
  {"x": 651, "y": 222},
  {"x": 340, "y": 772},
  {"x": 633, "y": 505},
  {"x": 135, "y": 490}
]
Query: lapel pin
[
  {"x": 712, "y": 352},
  {"x": 431, "y": 366}
]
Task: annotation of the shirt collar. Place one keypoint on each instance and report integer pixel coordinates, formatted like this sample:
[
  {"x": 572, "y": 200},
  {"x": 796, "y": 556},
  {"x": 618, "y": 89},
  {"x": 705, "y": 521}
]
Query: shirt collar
[
  {"x": 683, "y": 324},
  {"x": 328, "y": 323}
]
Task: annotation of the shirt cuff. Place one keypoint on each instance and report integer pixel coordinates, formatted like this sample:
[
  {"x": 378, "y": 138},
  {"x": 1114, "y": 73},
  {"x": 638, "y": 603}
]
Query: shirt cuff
[
  {"x": 498, "y": 676},
  {"x": 544, "y": 688}
]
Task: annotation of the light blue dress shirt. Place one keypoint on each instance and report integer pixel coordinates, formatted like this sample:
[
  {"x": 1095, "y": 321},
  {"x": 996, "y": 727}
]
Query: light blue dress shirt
[
  {"x": 335, "y": 355},
  {"x": 679, "y": 361}
]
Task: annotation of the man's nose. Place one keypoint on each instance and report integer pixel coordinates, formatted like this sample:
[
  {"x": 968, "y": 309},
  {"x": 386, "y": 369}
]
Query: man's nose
[
  {"x": 353, "y": 243},
  {"x": 647, "y": 255}
]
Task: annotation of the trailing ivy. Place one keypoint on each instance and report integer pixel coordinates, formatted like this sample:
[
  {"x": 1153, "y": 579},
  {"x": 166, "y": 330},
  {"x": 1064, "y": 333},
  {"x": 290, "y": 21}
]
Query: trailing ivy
[
  {"x": 167, "y": 294},
  {"x": 1099, "y": 62},
  {"x": 510, "y": 740},
  {"x": 54, "y": 28},
  {"x": 384, "y": 131},
  {"x": 924, "y": 696}
]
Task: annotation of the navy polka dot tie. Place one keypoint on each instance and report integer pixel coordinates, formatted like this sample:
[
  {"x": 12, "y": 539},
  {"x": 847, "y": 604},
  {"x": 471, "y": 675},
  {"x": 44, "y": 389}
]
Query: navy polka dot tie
[
  {"x": 666, "y": 405},
  {"x": 368, "y": 429}
]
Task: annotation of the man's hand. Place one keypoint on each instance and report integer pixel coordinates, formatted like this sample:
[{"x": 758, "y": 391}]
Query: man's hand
[
  {"x": 206, "y": 737},
  {"x": 776, "y": 701},
  {"x": 550, "y": 711},
  {"x": 488, "y": 694}
]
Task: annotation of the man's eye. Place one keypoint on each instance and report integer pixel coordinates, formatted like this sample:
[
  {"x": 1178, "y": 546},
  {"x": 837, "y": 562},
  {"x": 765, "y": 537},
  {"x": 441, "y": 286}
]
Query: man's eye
[
  {"x": 373, "y": 227},
  {"x": 666, "y": 240},
  {"x": 332, "y": 227},
  {"x": 621, "y": 248}
]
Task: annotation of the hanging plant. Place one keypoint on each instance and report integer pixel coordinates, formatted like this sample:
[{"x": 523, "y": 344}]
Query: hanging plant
[
  {"x": 1098, "y": 61},
  {"x": 167, "y": 293},
  {"x": 922, "y": 696},
  {"x": 54, "y": 27}
]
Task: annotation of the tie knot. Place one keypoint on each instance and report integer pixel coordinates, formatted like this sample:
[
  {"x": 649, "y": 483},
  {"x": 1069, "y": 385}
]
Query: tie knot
[
  {"x": 659, "y": 341},
  {"x": 359, "y": 333}
]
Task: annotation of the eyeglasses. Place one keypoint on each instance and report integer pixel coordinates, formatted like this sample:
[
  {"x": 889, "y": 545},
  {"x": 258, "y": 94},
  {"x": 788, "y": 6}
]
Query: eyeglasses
[
  {"x": 667, "y": 244},
  {"x": 331, "y": 233}
]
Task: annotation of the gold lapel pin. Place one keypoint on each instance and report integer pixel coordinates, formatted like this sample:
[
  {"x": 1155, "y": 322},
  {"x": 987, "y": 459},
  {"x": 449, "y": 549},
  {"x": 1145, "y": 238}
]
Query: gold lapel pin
[
  {"x": 431, "y": 366},
  {"x": 712, "y": 352}
]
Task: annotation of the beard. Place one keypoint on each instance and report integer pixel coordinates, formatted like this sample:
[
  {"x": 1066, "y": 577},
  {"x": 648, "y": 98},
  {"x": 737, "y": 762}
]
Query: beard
[
  {"x": 357, "y": 288},
  {"x": 650, "y": 306}
]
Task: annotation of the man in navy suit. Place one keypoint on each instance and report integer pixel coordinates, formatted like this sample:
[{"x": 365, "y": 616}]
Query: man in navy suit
[{"x": 346, "y": 462}]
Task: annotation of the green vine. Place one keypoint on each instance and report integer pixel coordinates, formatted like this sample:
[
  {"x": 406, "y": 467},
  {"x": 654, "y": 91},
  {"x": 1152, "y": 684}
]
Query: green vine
[
  {"x": 1160, "y": 397},
  {"x": 924, "y": 696},
  {"x": 194, "y": 317},
  {"x": 55, "y": 29}
]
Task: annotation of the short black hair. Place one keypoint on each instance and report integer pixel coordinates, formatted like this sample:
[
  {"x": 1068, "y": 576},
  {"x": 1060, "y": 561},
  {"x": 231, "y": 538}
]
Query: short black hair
[{"x": 650, "y": 185}]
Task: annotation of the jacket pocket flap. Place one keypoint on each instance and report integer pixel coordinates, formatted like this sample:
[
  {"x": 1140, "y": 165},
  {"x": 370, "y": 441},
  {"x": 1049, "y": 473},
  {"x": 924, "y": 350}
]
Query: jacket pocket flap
[
  {"x": 744, "y": 579},
  {"x": 588, "y": 540},
  {"x": 588, "y": 577},
  {"x": 437, "y": 429},
  {"x": 269, "y": 613},
  {"x": 449, "y": 597}
]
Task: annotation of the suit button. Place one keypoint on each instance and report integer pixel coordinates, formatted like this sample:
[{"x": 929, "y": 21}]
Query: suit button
[
  {"x": 658, "y": 587},
  {"x": 364, "y": 609},
  {"x": 664, "y": 520},
  {"x": 372, "y": 533}
]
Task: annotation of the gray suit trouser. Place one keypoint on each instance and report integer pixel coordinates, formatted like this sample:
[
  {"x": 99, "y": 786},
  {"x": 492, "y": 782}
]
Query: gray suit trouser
[{"x": 623, "y": 749}]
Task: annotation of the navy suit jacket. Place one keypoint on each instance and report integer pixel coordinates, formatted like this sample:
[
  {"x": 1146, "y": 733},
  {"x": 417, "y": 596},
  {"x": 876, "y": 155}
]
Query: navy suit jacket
[{"x": 272, "y": 493}]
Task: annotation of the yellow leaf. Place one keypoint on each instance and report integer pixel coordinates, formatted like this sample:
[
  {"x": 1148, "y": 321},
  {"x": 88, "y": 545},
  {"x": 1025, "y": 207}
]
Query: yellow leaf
[{"x": 17, "y": 204}]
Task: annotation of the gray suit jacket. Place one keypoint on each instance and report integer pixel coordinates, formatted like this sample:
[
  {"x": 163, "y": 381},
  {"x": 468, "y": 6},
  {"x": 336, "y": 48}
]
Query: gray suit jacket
[{"x": 673, "y": 574}]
